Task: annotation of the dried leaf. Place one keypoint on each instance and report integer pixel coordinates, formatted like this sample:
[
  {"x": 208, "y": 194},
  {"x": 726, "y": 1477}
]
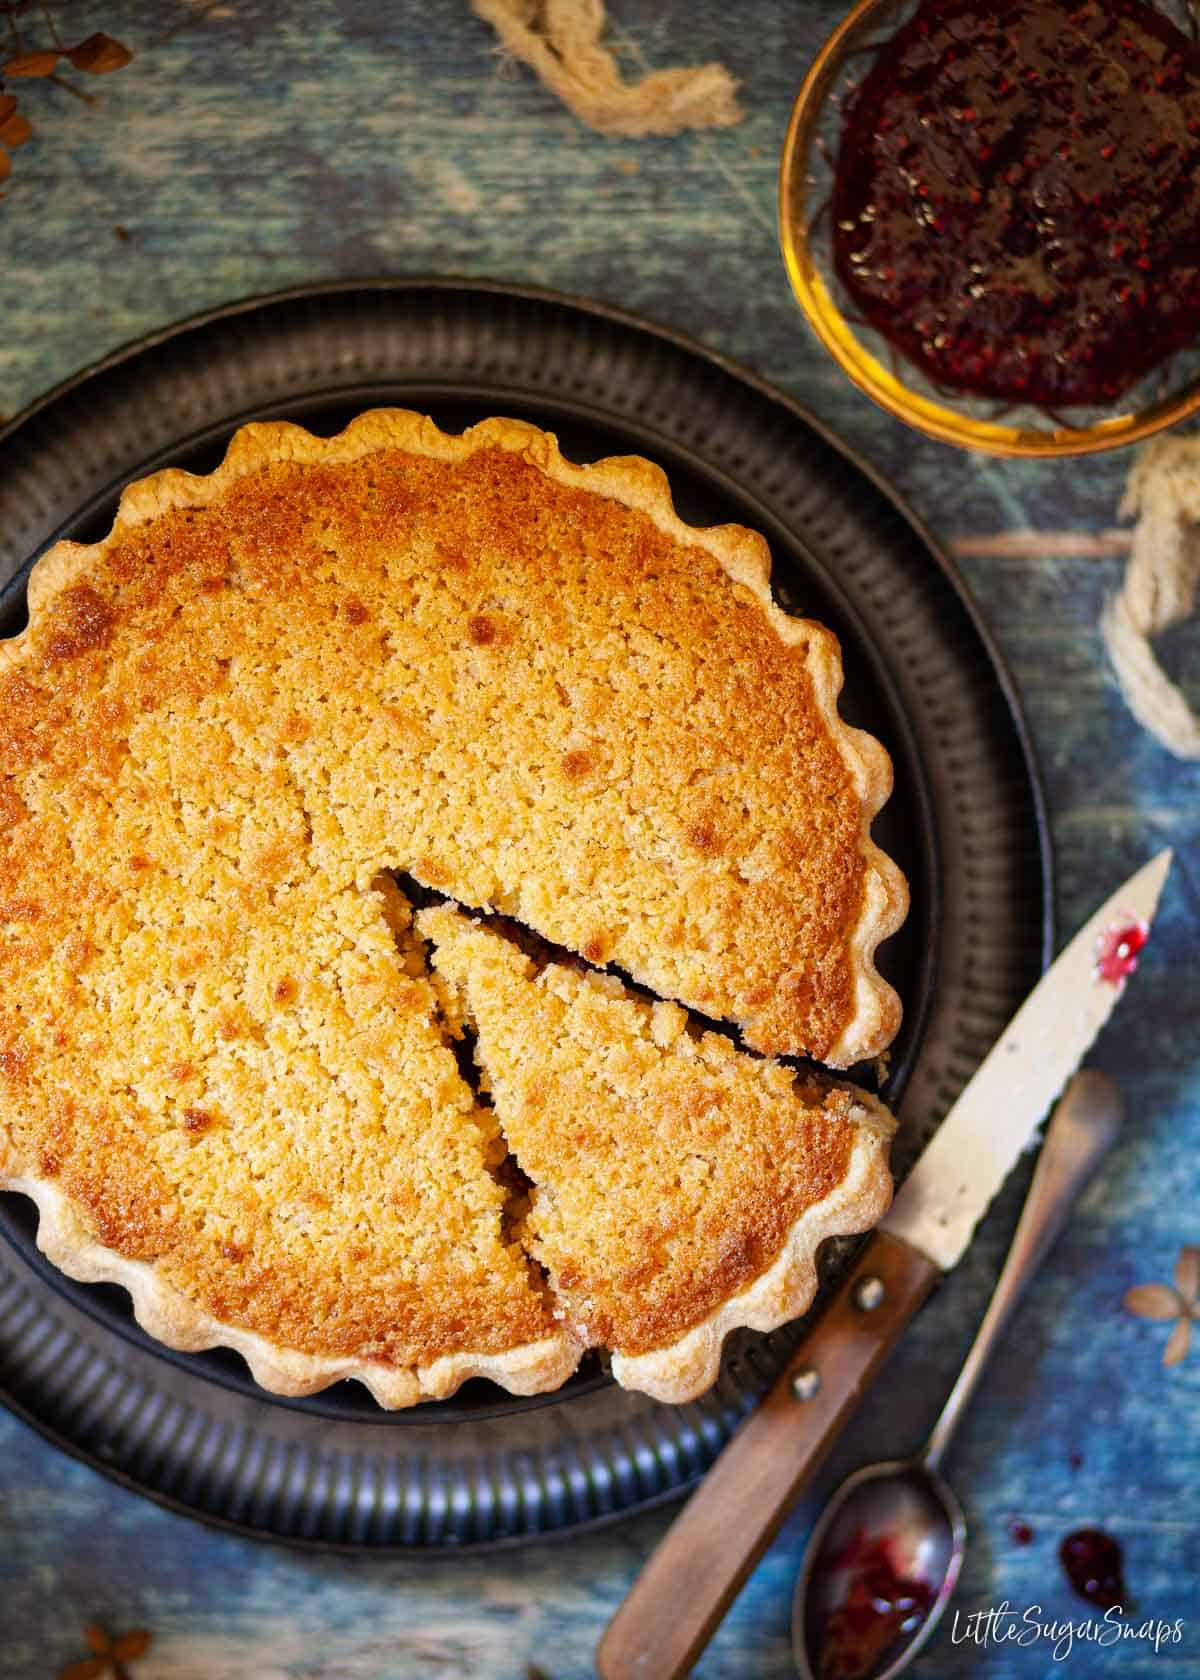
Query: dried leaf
[
  {"x": 31, "y": 64},
  {"x": 89, "y": 1669},
  {"x": 15, "y": 131},
  {"x": 1187, "y": 1267},
  {"x": 5, "y": 165},
  {"x": 97, "y": 1639},
  {"x": 99, "y": 54},
  {"x": 134, "y": 1644},
  {"x": 1178, "y": 1342},
  {"x": 8, "y": 104},
  {"x": 1153, "y": 1300}
]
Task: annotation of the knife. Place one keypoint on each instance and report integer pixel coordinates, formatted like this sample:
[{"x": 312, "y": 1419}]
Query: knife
[{"x": 690, "y": 1580}]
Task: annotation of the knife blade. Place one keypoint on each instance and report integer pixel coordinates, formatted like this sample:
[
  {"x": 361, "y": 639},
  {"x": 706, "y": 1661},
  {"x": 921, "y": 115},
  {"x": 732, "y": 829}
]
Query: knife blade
[
  {"x": 977, "y": 1145},
  {"x": 690, "y": 1580}
]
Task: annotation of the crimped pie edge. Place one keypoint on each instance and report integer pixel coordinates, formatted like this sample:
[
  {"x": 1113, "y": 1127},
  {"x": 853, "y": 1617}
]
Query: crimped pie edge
[
  {"x": 167, "y": 1315},
  {"x": 685, "y": 1368}
]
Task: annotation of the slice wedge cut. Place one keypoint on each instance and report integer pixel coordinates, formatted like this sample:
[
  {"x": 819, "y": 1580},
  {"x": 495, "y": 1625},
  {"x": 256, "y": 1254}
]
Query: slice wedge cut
[{"x": 680, "y": 1187}]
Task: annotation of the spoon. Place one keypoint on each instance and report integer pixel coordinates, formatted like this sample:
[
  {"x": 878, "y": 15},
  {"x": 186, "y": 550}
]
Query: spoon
[{"x": 885, "y": 1556}]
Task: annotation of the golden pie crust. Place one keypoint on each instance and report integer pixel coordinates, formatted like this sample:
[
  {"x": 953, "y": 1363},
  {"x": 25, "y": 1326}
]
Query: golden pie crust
[{"x": 225, "y": 1074}]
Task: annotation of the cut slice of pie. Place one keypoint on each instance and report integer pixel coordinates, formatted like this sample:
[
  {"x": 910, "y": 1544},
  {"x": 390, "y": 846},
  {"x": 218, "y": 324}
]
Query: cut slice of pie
[{"x": 680, "y": 1187}]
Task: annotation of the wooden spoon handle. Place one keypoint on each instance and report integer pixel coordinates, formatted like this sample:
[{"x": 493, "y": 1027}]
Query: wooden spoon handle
[{"x": 703, "y": 1560}]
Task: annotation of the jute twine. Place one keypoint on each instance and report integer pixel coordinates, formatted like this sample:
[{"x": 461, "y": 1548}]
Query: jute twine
[
  {"x": 1160, "y": 587},
  {"x": 560, "y": 41}
]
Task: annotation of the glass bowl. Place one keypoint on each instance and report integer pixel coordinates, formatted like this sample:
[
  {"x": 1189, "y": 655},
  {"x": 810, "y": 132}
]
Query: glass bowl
[{"x": 1169, "y": 393}]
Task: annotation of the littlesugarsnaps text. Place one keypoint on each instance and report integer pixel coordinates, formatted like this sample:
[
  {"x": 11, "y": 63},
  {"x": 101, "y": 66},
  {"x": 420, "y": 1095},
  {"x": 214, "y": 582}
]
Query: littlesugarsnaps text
[{"x": 1004, "y": 1624}]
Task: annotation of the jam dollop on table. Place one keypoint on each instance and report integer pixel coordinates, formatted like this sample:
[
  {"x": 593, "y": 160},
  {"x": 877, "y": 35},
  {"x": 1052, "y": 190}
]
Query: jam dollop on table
[
  {"x": 1092, "y": 1562},
  {"x": 880, "y": 1602},
  {"x": 1016, "y": 203}
]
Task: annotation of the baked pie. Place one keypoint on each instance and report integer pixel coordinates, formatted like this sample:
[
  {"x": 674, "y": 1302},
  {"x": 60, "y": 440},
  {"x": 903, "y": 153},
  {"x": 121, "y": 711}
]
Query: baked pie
[{"x": 227, "y": 1071}]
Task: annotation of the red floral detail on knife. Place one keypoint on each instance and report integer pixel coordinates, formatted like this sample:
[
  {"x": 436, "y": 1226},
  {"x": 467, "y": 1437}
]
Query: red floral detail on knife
[{"x": 1118, "y": 950}]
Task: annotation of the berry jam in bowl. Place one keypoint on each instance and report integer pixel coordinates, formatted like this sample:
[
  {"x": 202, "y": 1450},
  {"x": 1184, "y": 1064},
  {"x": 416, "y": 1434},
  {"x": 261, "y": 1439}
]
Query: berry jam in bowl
[{"x": 990, "y": 215}]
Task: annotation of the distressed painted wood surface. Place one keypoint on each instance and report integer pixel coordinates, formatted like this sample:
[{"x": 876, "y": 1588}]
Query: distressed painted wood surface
[{"x": 255, "y": 145}]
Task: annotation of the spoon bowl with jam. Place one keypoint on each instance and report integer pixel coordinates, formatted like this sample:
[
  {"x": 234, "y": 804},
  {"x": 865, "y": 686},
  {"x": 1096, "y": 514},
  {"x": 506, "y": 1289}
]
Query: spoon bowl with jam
[{"x": 990, "y": 215}]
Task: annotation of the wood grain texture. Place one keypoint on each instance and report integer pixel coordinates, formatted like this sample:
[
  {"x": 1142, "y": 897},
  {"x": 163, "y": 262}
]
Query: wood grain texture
[{"x": 250, "y": 146}]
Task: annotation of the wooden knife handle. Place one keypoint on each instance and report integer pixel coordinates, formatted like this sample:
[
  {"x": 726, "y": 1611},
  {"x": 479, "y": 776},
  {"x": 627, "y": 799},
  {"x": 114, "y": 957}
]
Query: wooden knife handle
[{"x": 703, "y": 1560}]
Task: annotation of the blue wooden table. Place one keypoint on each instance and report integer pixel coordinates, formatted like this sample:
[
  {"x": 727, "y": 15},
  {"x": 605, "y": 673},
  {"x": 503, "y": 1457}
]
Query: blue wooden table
[{"x": 251, "y": 146}]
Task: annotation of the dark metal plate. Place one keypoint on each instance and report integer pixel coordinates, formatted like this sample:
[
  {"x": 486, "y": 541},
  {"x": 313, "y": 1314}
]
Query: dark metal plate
[{"x": 966, "y": 824}]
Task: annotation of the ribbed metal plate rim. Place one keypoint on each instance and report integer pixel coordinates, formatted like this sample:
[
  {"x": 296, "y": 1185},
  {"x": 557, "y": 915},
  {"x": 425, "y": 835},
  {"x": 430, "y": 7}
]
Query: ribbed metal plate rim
[{"x": 505, "y": 1475}]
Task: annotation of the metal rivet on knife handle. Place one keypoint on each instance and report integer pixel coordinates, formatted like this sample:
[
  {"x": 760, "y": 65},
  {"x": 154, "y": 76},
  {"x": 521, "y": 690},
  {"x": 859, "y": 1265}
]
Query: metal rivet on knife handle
[
  {"x": 806, "y": 1384},
  {"x": 869, "y": 1293}
]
